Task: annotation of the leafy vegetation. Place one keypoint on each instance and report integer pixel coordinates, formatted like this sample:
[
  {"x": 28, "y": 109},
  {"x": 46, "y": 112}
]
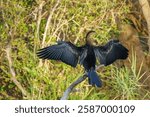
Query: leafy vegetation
[{"x": 23, "y": 27}]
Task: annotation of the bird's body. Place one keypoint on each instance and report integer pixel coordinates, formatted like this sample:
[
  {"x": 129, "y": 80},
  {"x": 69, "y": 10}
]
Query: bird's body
[
  {"x": 85, "y": 55},
  {"x": 89, "y": 63},
  {"x": 90, "y": 59}
]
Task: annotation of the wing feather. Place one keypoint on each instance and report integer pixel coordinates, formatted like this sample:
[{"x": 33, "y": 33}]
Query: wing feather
[
  {"x": 109, "y": 53},
  {"x": 64, "y": 51}
]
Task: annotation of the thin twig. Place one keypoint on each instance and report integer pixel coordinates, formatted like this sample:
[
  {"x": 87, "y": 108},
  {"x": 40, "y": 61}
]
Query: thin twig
[
  {"x": 47, "y": 26},
  {"x": 48, "y": 21},
  {"x": 78, "y": 81},
  {"x": 12, "y": 71},
  {"x": 99, "y": 66},
  {"x": 39, "y": 18},
  {"x": 38, "y": 25}
]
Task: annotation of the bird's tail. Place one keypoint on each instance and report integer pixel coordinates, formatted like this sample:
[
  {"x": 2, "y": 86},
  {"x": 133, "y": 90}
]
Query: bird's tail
[{"x": 94, "y": 79}]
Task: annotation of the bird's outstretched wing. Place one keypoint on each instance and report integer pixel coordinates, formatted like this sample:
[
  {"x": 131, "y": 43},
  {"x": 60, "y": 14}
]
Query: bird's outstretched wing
[
  {"x": 63, "y": 51},
  {"x": 109, "y": 53}
]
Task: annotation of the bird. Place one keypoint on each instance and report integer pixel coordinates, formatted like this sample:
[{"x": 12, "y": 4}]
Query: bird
[{"x": 85, "y": 55}]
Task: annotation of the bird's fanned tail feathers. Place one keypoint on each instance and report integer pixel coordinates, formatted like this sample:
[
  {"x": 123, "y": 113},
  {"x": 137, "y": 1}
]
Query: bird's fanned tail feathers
[{"x": 94, "y": 79}]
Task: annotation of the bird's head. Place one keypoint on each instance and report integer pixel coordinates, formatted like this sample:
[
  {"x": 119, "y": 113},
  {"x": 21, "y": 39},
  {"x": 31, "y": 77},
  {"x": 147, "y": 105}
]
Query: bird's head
[{"x": 88, "y": 37}]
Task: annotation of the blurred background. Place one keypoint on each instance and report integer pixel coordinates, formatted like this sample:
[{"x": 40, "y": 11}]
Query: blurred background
[{"x": 28, "y": 25}]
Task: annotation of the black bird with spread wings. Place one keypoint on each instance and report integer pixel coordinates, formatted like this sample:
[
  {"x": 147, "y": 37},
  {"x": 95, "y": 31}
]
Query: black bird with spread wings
[{"x": 85, "y": 55}]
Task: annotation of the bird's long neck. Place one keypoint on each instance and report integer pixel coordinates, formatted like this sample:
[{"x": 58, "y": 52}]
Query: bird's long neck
[{"x": 88, "y": 40}]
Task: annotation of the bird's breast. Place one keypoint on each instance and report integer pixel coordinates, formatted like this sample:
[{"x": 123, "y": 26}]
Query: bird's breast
[{"x": 90, "y": 59}]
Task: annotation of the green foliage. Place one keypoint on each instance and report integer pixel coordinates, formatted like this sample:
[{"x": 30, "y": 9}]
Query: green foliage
[{"x": 70, "y": 21}]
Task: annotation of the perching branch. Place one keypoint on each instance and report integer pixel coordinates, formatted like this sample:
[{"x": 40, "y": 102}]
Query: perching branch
[
  {"x": 70, "y": 88},
  {"x": 78, "y": 81}
]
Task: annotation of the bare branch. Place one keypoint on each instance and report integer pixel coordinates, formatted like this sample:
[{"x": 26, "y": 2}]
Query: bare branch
[
  {"x": 39, "y": 18},
  {"x": 39, "y": 14},
  {"x": 12, "y": 71},
  {"x": 78, "y": 81},
  {"x": 99, "y": 66},
  {"x": 69, "y": 89},
  {"x": 49, "y": 20}
]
